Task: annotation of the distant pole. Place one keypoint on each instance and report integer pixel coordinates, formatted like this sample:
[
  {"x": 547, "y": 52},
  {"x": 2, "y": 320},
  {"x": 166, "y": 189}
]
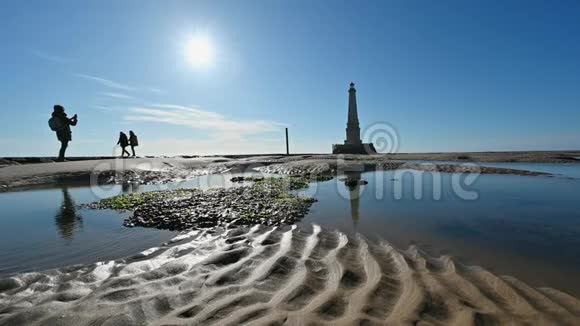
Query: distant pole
[{"x": 287, "y": 148}]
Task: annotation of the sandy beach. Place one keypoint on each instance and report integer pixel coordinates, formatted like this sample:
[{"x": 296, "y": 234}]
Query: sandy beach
[
  {"x": 24, "y": 173},
  {"x": 269, "y": 276},
  {"x": 290, "y": 163},
  {"x": 260, "y": 275}
]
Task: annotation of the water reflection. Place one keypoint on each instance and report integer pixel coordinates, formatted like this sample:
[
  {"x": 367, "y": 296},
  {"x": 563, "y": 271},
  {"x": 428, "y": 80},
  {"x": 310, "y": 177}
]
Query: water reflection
[
  {"x": 131, "y": 187},
  {"x": 44, "y": 229},
  {"x": 523, "y": 226},
  {"x": 353, "y": 183},
  {"x": 67, "y": 219}
]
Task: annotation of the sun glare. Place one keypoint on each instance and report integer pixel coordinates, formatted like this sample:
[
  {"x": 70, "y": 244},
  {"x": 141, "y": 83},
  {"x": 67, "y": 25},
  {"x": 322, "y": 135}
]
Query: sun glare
[{"x": 199, "y": 52}]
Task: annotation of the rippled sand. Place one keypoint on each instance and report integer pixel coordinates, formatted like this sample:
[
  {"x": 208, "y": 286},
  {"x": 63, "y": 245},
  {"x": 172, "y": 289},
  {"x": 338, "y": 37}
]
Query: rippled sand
[{"x": 278, "y": 276}]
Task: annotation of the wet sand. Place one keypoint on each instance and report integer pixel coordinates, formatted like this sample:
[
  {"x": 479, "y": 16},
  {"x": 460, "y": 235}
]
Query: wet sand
[
  {"x": 516, "y": 156},
  {"x": 265, "y": 275},
  {"x": 272, "y": 276},
  {"x": 523, "y": 156},
  {"x": 164, "y": 170}
]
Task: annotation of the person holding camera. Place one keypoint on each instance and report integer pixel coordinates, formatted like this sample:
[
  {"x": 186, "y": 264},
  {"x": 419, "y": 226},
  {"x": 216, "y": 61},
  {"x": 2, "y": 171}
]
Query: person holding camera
[{"x": 61, "y": 123}]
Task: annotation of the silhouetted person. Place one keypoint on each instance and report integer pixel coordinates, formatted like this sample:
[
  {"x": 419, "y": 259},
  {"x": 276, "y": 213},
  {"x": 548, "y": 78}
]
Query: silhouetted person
[
  {"x": 123, "y": 142},
  {"x": 66, "y": 218},
  {"x": 133, "y": 141},
  {"x": 60, "y": 123}
]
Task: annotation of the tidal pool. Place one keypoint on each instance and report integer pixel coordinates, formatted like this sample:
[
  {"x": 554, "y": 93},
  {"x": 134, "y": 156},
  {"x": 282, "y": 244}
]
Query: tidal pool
[
  {"x": 524, "y": 226},
  {"x": 43, "y": 229}
]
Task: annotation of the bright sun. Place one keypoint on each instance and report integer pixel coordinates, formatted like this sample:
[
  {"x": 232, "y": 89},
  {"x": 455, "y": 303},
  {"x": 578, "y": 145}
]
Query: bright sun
[{"x": 199, "y": 52}]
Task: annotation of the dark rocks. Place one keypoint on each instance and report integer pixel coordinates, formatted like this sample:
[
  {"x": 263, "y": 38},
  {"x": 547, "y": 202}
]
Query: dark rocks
[
  {"x": 249, "y": 179},
  {"x": 355, "y": 182},
  {"x": 267, "y": 201}
]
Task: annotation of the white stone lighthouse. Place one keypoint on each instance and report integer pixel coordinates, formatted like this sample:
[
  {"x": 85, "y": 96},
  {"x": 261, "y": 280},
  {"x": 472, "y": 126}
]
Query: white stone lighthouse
[{"x": 353, "y": 143}]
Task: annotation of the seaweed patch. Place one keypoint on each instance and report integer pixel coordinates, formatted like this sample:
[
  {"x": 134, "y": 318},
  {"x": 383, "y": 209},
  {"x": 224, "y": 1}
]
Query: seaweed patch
[{"x": 268, "y": 201}]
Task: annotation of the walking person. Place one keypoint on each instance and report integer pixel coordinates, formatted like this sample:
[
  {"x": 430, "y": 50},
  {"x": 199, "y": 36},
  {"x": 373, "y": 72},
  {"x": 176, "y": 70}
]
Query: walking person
[
  {"x": 60, "y": 123},
  {"x": 133, "y": 141},
  {"x": 123, "y": 142}
]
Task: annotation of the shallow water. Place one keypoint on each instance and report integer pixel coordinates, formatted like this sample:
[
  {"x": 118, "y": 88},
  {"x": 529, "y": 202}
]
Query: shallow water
[
  {"x": 518, "y": 225},
  {"x": 45, "y": 229},
  {"x": 42, "y": 229},
  {"x": 524, "y": 226}
]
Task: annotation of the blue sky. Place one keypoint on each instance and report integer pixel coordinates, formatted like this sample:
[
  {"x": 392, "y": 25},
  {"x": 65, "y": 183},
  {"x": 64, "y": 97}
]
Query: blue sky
[{"x": 448, "y": 75}]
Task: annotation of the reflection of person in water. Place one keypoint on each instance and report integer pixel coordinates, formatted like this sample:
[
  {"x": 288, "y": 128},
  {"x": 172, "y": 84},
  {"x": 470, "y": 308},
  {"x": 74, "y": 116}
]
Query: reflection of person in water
[
  {"x": 126, "y": 188},
  {"x": 130, "y": 187},
  {"x": 353, "y": 183},
  {"x": 67, "y": 218}
]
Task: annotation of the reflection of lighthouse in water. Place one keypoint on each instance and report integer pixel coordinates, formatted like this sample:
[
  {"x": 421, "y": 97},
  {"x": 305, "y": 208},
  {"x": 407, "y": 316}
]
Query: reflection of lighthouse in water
[{"x": 353, "y": 182}]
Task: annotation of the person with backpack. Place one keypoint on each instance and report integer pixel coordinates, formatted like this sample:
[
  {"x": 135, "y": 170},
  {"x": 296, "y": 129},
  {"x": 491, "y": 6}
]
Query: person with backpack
[
  {"x": 133, "y": 141},
  {"x": 60, "y": 123},
  {"x": 123, "y": 142}
]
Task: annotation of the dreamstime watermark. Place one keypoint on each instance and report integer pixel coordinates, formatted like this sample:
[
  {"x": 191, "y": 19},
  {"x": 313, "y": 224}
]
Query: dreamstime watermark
[
  {"x": 384, "y": 137},
  {"x": 355, "y": 175},
  {"x": 419, "y": 181},
  {"x": 404, "y": 184}
]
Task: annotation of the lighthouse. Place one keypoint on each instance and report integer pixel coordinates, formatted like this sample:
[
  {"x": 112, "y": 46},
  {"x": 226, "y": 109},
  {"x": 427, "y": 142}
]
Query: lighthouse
[
  {"x": 353, "y": 144},
  {"x": 352, "y": 127}
]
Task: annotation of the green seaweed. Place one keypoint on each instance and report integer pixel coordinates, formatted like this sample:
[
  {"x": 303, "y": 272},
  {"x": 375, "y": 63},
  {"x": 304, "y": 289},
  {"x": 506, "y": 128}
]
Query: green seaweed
[
  {"x": 135, "y": 200},
  {"x": 265, "y": 200},
  {"x": 288, "y": 183}
]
